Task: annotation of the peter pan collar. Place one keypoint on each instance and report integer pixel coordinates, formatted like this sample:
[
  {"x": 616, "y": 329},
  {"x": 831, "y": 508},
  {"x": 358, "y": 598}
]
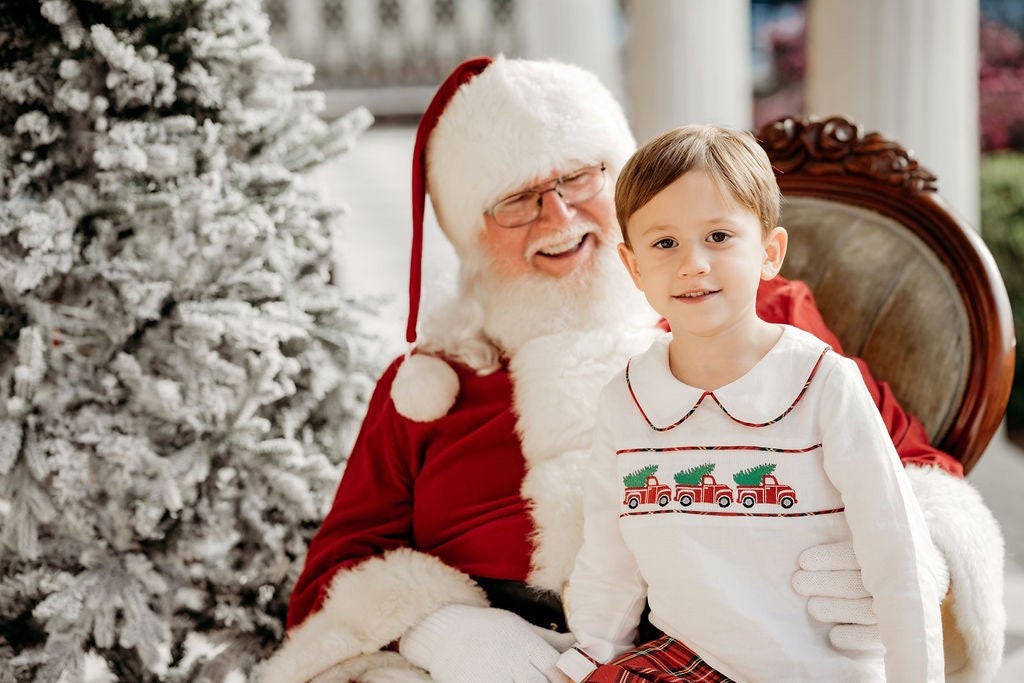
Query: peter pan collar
[{"x": 763, "y": 396}]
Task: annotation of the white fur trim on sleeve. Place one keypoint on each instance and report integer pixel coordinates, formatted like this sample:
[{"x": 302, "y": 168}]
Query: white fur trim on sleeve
[
  {"x": 425, "y": 388},
  {"x": 967, "y": 533},
  {"x": 557, "y": 380},
  {"x": 366, "y": 608}
]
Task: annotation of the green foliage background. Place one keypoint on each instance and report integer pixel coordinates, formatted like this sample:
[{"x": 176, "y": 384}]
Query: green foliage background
[{"x": 1002, "y": 228}]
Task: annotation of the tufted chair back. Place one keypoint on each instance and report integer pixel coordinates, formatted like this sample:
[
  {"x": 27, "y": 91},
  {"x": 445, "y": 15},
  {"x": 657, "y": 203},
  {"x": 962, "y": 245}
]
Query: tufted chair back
[{"x": 903, "y": 282}]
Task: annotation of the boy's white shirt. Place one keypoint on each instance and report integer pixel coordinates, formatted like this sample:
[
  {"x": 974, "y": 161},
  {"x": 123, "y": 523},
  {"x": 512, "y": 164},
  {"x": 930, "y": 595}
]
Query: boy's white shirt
[{"x": 720, "y": 583}]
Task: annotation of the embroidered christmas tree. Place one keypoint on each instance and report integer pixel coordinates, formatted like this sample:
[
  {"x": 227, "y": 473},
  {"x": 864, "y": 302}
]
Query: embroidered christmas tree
[
  {"x": 639, "y": 477},
  {"x": 752, "y": 475},
  {"x": 694, "y": 475},
  {"x": 180, "y": 375}
]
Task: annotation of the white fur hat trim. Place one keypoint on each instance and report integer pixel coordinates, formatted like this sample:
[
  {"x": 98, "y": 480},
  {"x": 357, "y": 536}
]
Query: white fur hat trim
[
  {"x": 425, "y": 388},
  {"x": 518, "y": 121}
]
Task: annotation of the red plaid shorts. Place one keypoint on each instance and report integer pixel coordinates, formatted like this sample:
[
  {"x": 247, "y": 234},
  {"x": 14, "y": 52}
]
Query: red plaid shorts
[{"x": 664, "y": 660}]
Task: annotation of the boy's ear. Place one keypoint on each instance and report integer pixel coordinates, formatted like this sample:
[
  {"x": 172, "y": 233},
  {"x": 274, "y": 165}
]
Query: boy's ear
[
  {"x": 774, "y": 252},
  {"x": 629, "y": 260}
]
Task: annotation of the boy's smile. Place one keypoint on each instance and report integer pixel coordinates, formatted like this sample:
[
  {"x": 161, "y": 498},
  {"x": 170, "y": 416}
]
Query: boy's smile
[{"x": 695, "y": 295}]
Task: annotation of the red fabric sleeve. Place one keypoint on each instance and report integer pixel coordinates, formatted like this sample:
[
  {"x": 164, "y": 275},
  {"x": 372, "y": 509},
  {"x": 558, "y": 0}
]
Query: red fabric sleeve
[
  {"x": 425, "y": 486},
  {"x": 376, "y": 513},
  {"x": 791, "y": 302}
]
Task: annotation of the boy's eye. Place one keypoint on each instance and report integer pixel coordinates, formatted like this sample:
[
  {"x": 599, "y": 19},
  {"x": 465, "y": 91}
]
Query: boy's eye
[
  {"x": 665, "y": 243},
  {"x": 718, "y": 236}
]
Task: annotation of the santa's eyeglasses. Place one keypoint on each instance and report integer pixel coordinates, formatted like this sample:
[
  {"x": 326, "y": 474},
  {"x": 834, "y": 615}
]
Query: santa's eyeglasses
[{"x": 524, "y": 207}]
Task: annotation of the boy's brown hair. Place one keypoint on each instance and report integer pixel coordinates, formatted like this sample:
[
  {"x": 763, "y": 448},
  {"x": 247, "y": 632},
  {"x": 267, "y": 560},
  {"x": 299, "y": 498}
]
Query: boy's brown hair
[{"x": 731, "y": 157}]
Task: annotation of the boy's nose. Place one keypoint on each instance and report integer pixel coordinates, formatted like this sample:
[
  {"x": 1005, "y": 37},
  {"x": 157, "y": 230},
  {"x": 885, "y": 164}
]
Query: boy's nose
[{"x": 692, "y": 262}]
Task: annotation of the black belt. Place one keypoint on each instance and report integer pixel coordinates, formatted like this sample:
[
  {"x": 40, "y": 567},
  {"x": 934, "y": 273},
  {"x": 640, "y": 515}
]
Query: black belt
[
  {"x": 542, "y": 607},
  {"x": 538, "y": 606}
]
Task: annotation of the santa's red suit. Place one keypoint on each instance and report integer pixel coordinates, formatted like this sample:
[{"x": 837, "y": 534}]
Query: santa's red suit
[{"x": 470, "y": 501}]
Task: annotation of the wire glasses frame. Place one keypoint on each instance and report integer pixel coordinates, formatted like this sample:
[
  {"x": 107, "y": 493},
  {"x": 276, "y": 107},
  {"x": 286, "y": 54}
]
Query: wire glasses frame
[{"x": 523, "y": 208}]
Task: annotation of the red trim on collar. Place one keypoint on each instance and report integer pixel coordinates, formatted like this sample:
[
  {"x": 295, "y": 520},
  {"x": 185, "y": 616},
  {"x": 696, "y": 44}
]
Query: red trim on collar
[{"x": 700, "y": 400}]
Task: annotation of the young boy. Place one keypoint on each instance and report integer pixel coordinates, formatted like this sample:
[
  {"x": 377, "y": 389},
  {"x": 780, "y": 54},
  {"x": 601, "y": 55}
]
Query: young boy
[{"x": 729, "y": 446}]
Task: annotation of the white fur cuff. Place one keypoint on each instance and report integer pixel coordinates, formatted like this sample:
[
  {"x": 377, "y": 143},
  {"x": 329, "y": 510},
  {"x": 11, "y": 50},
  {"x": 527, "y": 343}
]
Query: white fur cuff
[
  {"x": 367, "y": 608},
  {"x": 967, "y": 534}
]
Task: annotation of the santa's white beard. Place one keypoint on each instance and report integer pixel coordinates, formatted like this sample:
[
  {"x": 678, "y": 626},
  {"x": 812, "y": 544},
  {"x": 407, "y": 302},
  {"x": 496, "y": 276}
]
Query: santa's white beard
[
  {"x": 491, "y": 316},
  {"x": 521, "y": 308}
]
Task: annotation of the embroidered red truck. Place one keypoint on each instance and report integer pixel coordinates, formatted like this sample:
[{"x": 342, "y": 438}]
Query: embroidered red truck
[
  {"x": 653, "y": 491},
  {"x": 707, "y": 491},
  {"x": 769, "y": 491},
  {"x": 696, "y": 484}
]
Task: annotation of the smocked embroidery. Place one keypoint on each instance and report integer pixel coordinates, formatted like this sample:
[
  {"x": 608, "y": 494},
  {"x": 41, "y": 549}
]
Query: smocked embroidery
[{"x": 757, "y": 489}]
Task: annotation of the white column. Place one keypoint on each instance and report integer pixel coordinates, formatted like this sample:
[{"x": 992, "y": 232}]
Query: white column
[
  {"x": 909, "y": 70},
  {"x": 587, "y": 33},
  {"x": 688, "y": 61}
]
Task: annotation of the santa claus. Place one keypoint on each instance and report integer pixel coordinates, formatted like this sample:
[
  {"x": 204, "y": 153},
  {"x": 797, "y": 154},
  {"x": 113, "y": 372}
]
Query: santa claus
[{"x": 455, "y": 525}]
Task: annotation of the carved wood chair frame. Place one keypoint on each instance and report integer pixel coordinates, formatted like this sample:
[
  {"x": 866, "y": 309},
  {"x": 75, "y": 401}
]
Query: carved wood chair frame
[{"x": 835, "y": 160}]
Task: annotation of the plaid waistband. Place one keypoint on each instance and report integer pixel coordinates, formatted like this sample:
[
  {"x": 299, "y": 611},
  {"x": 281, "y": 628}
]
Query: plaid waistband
[{"x": 663, "y": 660}]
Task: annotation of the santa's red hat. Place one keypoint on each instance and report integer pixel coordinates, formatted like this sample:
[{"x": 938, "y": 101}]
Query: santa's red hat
[{"x": 492, "y": 127}]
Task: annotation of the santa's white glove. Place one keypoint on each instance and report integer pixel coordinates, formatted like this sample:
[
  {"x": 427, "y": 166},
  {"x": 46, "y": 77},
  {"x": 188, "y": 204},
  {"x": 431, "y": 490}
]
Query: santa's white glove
[
  {"x": 829, "y": 577},
  {"x": 464, "y": 644}
]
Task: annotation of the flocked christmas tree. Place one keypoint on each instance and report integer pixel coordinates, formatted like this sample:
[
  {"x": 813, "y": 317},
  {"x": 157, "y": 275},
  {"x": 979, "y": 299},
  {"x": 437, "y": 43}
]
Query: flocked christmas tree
[{"x": 179, "y": 372}]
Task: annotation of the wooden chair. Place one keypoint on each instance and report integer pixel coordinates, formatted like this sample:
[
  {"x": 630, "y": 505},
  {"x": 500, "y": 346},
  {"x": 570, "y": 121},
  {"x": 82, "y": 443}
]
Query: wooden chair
[{"x": 903, "y": 282}]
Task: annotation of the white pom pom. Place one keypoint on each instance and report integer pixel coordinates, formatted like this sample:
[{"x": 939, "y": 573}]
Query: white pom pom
[{"x": 424, "y": 388}]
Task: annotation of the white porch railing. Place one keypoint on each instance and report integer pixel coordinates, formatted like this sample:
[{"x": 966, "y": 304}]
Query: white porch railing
[{"x": 389, "y": 54}]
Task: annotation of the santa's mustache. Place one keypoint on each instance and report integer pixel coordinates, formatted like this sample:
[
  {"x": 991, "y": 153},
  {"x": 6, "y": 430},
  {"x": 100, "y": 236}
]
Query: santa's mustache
[{"x": 563, "y": 240}]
